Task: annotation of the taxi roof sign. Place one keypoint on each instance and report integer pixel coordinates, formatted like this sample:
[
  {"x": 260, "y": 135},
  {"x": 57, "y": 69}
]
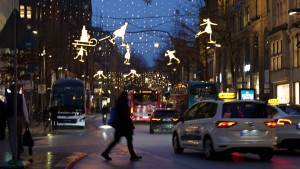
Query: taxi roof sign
[
  {"x": 273, "y": 102},
  {"x": 226, "y": 95}
]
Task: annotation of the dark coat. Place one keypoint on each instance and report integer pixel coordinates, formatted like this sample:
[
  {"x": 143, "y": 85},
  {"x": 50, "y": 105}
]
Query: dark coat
[
  {"x": 124, "y": 124},
  {"x": 2, "y": 119}
]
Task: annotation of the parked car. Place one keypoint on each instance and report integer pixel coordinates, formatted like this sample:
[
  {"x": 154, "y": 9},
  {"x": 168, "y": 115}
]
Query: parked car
[
  {"x": 288, "y": 125},
  {"x": 163, "y": 120},
  {"x": 216, "y": 126}
]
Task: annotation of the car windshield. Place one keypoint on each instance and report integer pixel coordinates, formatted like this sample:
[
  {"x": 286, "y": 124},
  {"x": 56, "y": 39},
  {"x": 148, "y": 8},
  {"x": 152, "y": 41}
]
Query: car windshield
[
  {"x": 245, "y": 110},
  {"x": 165, "y": 113},
  {"x": 291, "y": 110}
]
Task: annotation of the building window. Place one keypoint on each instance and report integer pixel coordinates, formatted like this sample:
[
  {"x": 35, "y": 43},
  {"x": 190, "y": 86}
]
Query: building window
[
  {"x": 276, "y": 63},
  {"x": 22, "y": 11},
  {"x": 28, "y": 12},
  {"x": 283, "y": 93}
]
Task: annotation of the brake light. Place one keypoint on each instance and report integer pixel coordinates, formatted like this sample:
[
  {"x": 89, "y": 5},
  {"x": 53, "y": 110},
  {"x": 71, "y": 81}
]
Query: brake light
[
  {"x": 156, "y": 119},
  {"x": 271, "y": 124},
  {"x": 175, "y": 119},
  {"x": 282, "y": 122},
  {"x": 225, "y": 124}
]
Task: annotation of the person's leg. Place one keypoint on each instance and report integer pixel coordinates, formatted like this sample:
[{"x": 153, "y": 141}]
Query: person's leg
[
  {"x": 12, "y": 136},
  {"x": 130, "y": 145},
  {"x": 105, "y": 153},
  {"x": 21, "y": 125},
  {"x": 133, "y": 155}
]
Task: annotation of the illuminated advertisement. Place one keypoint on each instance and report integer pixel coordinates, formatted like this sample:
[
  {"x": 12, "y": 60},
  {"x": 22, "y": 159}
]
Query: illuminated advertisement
[{"x": 246, "y": 94}]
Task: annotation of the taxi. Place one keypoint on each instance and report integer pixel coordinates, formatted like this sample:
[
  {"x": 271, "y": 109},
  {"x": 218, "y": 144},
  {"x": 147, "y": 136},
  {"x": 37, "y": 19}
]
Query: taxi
[
  {"x": 226, "y": 126},
  {"x": 287, "y": 117}
]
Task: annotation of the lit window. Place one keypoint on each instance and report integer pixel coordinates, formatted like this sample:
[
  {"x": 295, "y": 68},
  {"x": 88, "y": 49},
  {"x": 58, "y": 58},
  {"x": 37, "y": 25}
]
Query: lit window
[
  {"x": 22, "y": 11},
  {"x": 28, "y": 12}
]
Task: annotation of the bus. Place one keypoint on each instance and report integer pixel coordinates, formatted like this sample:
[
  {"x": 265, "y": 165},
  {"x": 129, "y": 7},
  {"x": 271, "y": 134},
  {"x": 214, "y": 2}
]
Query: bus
[
  {"x": 67, "y": 100},
  {"x": 143, "y": 103},
  {"x": 184, "y": 95}
]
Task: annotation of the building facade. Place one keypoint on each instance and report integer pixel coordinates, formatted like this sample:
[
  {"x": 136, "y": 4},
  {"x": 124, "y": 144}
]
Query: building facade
[{"x": 283, "y": 49}]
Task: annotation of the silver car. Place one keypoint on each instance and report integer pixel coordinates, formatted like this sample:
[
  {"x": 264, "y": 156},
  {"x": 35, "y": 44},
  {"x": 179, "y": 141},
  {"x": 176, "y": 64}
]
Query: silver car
[
  {"x": 288, "y": 125},
  {"x": 216, "y": 126}
]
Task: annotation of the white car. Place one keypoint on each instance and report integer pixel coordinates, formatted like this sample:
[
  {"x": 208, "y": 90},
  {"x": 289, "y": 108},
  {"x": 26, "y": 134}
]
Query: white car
[
  {"x": 215, "y": 126},
  {"x": 288, "y": 125}
]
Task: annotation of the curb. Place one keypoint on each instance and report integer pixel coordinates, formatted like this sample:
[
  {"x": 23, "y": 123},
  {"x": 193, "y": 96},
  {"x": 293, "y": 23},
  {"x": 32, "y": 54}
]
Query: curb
[{"x": 73, "y": 159}]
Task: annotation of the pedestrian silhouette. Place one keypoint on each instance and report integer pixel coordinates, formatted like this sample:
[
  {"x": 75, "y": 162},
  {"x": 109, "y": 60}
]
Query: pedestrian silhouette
[
  {"x": 2, "y": 119},
  {"x": 104, "y": 112},
  {"x": 124, "y": 127},
  {"x": 16, "y": 124}
]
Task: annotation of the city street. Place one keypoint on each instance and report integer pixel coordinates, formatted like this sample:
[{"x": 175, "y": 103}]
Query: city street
[{"x": 155, "y": 149}]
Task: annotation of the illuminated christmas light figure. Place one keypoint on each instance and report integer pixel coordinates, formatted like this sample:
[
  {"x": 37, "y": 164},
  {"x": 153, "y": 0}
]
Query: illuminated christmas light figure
[
  {"x": 207, "y": 29},
  {"x": 119, "y": 33},
  {"x": 80, "y": 53},
  {"x": 127, "y": 55},
  {"x": 171, "y": 56},
  {"x": 84, "y": 35}
]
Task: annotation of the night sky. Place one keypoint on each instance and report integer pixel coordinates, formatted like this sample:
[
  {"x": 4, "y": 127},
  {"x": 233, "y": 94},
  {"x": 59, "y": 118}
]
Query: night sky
[{"x": 147, "y": 23}]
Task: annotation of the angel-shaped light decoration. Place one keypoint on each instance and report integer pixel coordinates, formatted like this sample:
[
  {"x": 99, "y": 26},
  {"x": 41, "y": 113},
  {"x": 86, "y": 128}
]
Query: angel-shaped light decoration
[
  {"x": 100, "y": 74},
  {"x": 132, "y": 73},
  {"x": 81, "y": 52},
  {"x": 171, "y": 56},
  {"x": 127, "y": 55},
  {"x": 207, "y": 29},
  {"x": 119, "y": 33}
]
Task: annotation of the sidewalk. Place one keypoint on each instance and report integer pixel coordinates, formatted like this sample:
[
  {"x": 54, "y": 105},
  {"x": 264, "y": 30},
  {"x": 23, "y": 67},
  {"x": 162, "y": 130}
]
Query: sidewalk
[{"x": 41, "y": 160}]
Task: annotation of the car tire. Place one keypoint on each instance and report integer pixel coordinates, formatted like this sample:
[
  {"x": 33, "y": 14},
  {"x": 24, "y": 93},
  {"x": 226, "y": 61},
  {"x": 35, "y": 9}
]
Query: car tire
[
  {"x": 176, "y": 146},
  {"x": 209, "y": 151},
  {"x": 266, "y": 156},
  {"x": 151, "y": 131}
]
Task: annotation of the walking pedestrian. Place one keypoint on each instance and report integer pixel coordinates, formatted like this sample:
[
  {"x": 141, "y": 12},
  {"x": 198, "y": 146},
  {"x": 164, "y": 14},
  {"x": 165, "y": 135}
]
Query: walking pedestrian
[
  {"x": 53, "y": 112},
  {"x": 124, "y": 127},
  {"x": 104, "y": 112},
  {"x": 2, "y": 119},
  {"x": 16, "y": 122}
]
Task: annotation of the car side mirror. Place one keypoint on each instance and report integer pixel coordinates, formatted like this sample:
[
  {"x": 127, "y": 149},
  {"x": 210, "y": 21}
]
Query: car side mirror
[{"x": 149, "y": 115}]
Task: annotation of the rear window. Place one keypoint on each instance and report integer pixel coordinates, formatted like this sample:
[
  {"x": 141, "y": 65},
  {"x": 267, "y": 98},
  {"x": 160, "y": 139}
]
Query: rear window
[
  {"x": 291, "y": 110},
  {"x": 245, "y": 110},
  {"x": 165, "y": 114}
]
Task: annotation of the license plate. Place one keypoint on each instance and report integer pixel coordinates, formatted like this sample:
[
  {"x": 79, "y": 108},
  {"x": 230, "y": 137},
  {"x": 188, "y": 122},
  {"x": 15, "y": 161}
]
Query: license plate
[
  {"x": 166, "y": 119},
  {"x": 250, "y": 133}
]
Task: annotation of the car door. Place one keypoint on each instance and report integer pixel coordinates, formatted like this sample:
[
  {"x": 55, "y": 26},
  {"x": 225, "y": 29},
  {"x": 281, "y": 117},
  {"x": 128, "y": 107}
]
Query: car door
[
  {"x": 205, "y": 112},
  {"x": 187, "y": 135}
]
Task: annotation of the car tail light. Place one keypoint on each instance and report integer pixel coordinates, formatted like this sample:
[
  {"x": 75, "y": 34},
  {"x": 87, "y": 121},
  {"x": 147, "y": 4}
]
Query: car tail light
[
  {"x": 225, "y": 124},
  {"x": 156, "y": 119},
  {"x": 282, "y": 122},
  {"x": 175, "y": 119},
  {"x": 271, "y": 124}
]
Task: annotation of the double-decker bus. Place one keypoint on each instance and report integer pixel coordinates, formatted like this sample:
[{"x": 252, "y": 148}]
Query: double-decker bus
[
  {"x": 67, "y": 100},
  {"x": 184, "y": 95},
  {"x": 143, "y": 103}
]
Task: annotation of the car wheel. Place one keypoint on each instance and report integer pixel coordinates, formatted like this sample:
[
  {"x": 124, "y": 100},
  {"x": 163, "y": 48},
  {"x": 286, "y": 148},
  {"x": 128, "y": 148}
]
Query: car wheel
[
  {"x": 151, "y": 131},
  {"x": 209, "y": 151},
  {"x": 176, "y": 145},
  {"x": 266, "y": 156}
]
